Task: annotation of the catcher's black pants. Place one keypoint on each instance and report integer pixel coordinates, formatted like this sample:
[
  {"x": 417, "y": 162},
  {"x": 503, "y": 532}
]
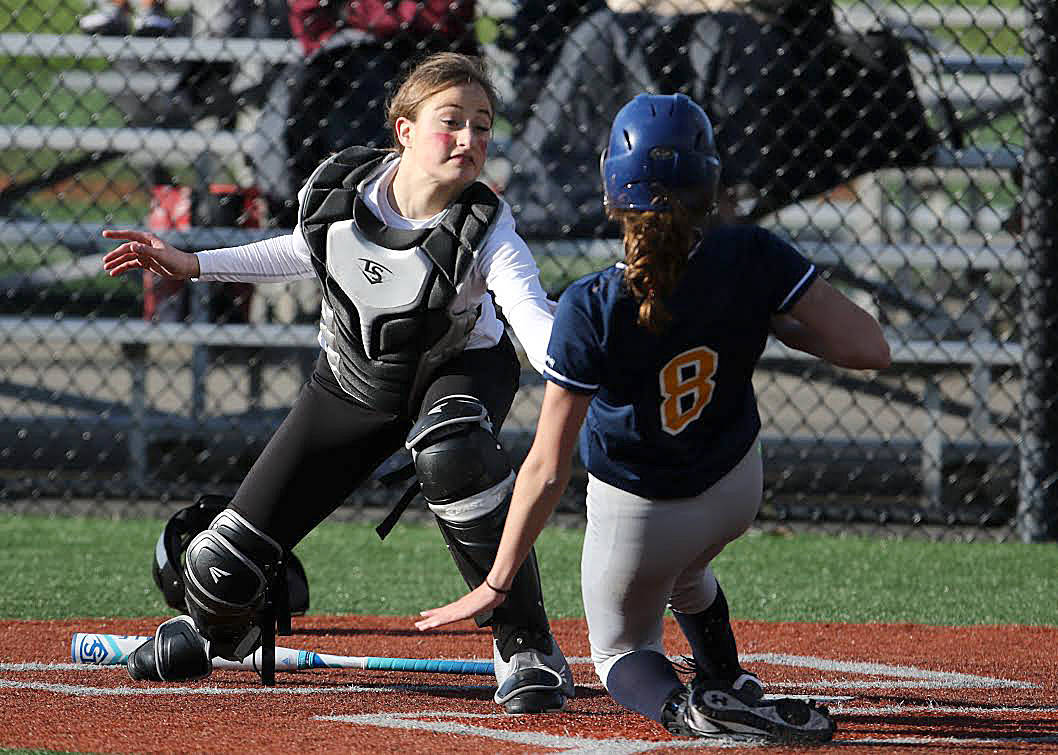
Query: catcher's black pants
[{"x": 329, "y": 443}]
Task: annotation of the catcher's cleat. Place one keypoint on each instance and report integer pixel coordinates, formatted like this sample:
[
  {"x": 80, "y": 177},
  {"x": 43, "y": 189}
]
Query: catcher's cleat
[
  {"x": 176, "y": 653},
  {"x": 533, "y": 681},
  {"x": 720, "y": 713},
  {"x": 535, "y": 702}
]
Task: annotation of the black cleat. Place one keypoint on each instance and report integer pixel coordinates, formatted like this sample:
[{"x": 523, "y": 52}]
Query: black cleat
[
  {"x": 536, "y": 679},
  {"x": 535, "y": 702},
  {"x": 716, "y": 712},
  {"x": 531, "y": 689}
]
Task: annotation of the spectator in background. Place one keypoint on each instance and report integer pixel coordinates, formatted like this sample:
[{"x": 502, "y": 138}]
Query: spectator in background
[
  {"x": 209, "y": 85},
  {"x": 534, "y": 36},
  {"x": 336, "y": 96},
  {"x": 801, "y": 107},
  {"x": 117, "y": 20}
]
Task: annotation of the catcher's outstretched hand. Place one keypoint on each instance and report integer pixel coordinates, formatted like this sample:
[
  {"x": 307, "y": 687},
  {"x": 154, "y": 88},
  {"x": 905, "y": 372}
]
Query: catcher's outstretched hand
[
  {"x": 482, "y": 598},
  {"x": 146, "y": 251}
]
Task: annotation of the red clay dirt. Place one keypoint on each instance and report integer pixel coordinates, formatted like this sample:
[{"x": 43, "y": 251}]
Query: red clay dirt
[{"x": 890, "y": 686}]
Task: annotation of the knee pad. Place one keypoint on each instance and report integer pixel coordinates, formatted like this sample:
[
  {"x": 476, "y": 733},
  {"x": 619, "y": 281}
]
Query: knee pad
[
  {"x": 227, "y": 571},
  {"x": 168, "y": 562},
  {"x": 457, "y": 458}
]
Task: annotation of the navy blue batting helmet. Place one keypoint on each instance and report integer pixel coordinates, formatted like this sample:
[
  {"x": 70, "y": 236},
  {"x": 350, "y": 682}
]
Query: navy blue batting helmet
[{"x": 661, "y": 145}]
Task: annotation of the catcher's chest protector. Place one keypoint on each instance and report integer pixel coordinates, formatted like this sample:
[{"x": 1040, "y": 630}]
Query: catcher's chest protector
[{"x": 387, "y": 318}]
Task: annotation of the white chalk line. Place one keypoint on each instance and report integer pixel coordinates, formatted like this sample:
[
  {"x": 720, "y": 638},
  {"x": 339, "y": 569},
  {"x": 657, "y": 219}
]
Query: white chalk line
[
  {"x": 933, "y": 741},
  {"x": 870, "y": 710},
  {"x": 567, "y": 744},
  {"x": 882, "y": 669},
  {"x": 434, "y": 721}
]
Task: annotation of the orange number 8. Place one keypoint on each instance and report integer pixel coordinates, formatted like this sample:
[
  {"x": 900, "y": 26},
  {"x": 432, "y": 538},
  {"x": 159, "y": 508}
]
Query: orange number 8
[{"x": 686, "y": 381}]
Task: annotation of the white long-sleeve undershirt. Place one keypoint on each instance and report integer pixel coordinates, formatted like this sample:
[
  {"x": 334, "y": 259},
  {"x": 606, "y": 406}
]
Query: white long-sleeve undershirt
[{"x": 272, "y": 260}]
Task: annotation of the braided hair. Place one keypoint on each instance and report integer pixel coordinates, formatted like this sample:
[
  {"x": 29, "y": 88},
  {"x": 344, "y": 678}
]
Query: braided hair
[{"x": 656, "y": 245}]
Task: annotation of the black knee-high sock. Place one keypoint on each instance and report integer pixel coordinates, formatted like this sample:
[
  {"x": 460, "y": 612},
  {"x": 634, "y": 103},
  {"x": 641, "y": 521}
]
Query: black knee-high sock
[
  {"x": 712, "y": 640},
  {"x": 642, "y": 681}
]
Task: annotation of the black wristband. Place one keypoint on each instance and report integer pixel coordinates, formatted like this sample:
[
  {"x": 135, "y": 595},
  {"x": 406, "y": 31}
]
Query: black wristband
[{"x": 496, "y": 589}]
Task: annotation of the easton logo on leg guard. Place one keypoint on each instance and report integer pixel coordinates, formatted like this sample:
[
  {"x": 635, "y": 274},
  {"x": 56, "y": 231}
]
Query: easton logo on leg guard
[{"x": 218, "y": 573}]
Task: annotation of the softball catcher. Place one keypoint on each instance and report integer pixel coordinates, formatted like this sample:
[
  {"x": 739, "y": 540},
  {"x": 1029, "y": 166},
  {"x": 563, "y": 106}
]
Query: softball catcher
[
  {"x": 658, "y": 354},
  {"x": 407, "y": 246}
]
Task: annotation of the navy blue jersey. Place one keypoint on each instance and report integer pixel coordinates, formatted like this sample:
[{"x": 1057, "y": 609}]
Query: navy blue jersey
[{"x": 673, "y": 412}]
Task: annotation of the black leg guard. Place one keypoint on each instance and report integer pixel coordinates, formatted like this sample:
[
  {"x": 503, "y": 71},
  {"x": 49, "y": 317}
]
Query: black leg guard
[
  {"x": 176, "y": 653},
  {"x": 463, "y": 472},
  {"x": 520, "y": 623},
  {"x": 229, "y": 575},
  {"x": 531, "y": 673}
]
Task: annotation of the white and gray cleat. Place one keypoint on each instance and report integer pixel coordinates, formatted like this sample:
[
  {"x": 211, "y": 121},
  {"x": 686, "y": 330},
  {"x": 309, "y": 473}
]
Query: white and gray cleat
[{"x": 533, "y": 681}]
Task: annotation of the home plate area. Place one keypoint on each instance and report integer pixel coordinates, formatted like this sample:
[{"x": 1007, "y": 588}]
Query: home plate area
[{"x": 889, "y": 686}]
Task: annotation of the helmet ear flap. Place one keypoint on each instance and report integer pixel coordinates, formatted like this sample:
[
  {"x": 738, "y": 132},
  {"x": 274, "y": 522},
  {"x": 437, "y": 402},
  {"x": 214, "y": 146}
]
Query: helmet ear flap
[
  {"x": 602, "y": 173},
  {"x": 168, "y": 566}
]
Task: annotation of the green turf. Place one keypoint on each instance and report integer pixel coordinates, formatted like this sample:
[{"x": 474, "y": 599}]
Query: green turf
[{"x": 68, "y": 568}]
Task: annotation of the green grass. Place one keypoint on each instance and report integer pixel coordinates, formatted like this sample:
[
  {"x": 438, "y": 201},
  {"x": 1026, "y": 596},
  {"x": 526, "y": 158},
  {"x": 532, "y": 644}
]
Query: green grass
[{"x": 81, "y": 567}]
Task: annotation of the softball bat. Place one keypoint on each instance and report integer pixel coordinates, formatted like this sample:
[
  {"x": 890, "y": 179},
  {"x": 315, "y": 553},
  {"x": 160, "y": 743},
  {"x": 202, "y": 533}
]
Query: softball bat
[{"x": 114, "y": 649}]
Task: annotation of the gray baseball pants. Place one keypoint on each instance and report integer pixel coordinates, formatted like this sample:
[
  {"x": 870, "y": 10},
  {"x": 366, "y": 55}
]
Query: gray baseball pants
[{"x": 641, "y": 555}]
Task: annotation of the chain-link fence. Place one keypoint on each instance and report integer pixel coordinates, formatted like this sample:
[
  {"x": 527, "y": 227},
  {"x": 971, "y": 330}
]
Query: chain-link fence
[{"x": 884, "y": 138}]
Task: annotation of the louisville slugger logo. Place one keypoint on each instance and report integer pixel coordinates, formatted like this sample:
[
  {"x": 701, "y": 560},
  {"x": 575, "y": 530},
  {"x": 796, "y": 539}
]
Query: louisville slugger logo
[
  {"x": 92, "y": 649},
  {"x": 375, "y": 272}
]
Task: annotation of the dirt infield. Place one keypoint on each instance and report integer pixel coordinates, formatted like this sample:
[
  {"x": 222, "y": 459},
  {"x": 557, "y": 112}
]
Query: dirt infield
[{"x": 907, "y": 687}]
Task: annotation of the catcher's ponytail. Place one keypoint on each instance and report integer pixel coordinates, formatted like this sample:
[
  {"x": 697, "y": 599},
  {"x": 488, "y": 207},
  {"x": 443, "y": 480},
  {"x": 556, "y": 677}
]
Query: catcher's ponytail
[{"x": 656, "y": 245}]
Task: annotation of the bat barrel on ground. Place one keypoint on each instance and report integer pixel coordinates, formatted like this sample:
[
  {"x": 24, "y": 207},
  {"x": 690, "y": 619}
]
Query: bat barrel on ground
[{"x": 114, "y": 649}]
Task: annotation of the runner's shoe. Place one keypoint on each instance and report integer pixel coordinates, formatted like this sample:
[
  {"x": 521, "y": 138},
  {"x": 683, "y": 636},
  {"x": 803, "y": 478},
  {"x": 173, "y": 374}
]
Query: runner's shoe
[
  {"x": 748, "y": 687},
  {"x": 715, "y": 712}
]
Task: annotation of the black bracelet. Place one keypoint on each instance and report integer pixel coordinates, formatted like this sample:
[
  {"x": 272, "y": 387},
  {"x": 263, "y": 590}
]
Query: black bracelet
[{"x": 496, "y": 589}]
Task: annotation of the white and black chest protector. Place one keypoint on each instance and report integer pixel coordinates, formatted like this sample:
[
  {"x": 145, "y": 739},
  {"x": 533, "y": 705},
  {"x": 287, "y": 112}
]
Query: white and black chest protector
[{"x": 387, "y": 293}]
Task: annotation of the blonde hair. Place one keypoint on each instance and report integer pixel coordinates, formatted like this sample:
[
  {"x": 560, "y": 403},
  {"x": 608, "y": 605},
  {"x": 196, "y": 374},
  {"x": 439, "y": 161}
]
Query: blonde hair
[
  {"x": 434, "y": 74},
  {"x": 656, "y": 245}
]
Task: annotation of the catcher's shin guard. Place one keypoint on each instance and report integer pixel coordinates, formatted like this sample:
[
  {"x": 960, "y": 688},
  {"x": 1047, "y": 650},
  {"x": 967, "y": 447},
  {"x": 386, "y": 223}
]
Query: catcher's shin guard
[
  {"x": 473, "y": 546},
  {"x": 228, "y": 571},
  {"x": 531, "y": 672},
  {"x": 176, "y": 653},
  {"x": 466, "y": 480}
]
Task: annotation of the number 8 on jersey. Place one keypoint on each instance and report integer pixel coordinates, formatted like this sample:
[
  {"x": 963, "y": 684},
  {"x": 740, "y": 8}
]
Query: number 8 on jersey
[{"x": 686, "y": 387}]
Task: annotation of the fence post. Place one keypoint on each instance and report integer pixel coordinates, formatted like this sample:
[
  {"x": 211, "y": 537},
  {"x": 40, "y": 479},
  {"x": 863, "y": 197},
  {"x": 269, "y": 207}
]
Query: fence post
[{"x": 1038, "y": 502}]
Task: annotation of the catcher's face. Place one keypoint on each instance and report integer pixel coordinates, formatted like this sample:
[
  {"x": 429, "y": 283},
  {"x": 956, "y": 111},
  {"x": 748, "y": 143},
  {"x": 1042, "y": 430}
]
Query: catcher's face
[{"x": 448, "y": 141}]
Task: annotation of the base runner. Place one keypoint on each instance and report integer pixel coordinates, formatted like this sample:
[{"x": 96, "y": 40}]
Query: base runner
[{"x": 658, "y": 354}]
